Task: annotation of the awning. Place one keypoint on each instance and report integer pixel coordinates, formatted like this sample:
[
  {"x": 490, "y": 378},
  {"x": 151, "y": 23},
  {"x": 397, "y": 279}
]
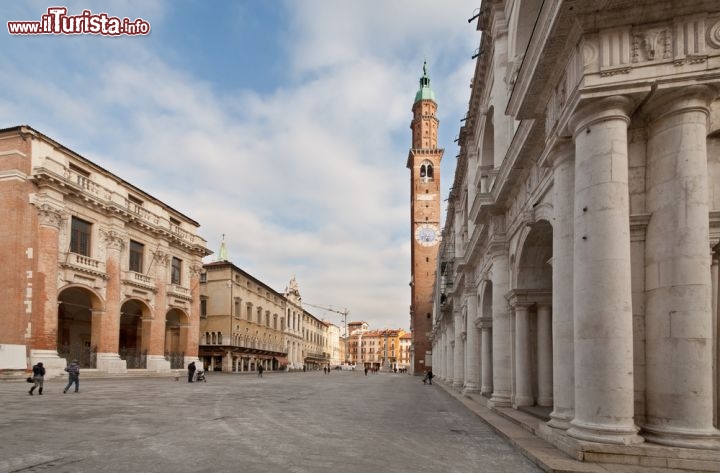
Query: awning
[{"x": 282, "y": 360}]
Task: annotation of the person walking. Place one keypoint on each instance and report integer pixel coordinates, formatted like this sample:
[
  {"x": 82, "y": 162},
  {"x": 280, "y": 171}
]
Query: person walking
[
  {"x": 429, "y": 376},
  {"x": 260, "y": 371},
  {"x": 73, "y": 371},
  {"x": 191, "y": 371},
  {"x": 38, "y": 377}
]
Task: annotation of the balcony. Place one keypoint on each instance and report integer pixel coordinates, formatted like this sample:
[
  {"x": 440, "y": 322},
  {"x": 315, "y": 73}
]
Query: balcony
[
  {"x": 84, "y": 264},
  {"x": 139, "y": 280},
  {"x": 179, "y": 292}
]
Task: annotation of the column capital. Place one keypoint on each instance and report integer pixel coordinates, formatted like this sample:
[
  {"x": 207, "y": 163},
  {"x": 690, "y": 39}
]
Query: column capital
[
  {"x": 666, "y": 102},
  {"x": 563, "y": 151},
  {"x": 114, "y": 240},
  {"x": 49, "y": 215},
  {"x": 616, "y": 107}
]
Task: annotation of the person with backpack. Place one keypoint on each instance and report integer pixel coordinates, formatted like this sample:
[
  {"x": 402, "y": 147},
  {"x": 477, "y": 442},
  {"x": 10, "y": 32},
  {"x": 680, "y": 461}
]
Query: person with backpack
[
  {"x": 73, "y": 371},
  {"x": 37, "y": 378}
]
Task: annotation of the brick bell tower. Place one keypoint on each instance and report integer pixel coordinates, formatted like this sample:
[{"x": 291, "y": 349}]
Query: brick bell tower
[{"x": 424, "y": 164}]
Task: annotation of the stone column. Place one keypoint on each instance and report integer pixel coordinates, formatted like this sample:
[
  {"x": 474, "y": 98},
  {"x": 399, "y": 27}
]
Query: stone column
[
  {"x": 156, "y": 355},
  {"x": 44, "y": 322},
  {"x": 486, "y": 342},
  {"x": 523, "y": 387},
  {"x": 563, "y": 338},
  {"x": 501, "y": 335},
  {"x": 108, "y": 358},
  {"x": 544, "y": 355},
  {"x": 192, "y": 340},
  {"x": 715, "y": 273},
  {"x": 449, "y": 362},
  {"x": 602, "y": 302},
  {"x": 459, "y": 352},
  {"x": 678, "y": 319},
  {"x": 472, "y": 361}
]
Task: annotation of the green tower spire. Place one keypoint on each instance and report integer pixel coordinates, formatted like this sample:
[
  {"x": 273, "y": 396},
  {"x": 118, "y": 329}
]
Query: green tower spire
[
  {"x": 425, "y": 92},
  {"x": 222, "y": 254}
]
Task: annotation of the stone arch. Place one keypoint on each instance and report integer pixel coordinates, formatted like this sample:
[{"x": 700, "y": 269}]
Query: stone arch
[
  {"x": 531, "y": 301},
  {"x": 487, "y": 154},
  {"x": 78, "y": 324},
  {"x": 134, "y": 336},
  {"x": 532, "y": 269},
  {"x": 176, "y": 336}
]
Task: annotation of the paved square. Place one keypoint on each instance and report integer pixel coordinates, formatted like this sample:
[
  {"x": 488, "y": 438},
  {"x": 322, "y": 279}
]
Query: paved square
[{"x": 294, "y": 422}]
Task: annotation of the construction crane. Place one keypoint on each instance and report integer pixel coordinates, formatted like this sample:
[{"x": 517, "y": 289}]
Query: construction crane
[{"x": 344, "y": 313}]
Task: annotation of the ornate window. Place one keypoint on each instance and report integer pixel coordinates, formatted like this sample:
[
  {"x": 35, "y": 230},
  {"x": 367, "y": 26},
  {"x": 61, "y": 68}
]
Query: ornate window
[
  {"x": 176, "y": 271},
  {"x": 80, "y": 236},
  {"x": 137, "y": 251}
]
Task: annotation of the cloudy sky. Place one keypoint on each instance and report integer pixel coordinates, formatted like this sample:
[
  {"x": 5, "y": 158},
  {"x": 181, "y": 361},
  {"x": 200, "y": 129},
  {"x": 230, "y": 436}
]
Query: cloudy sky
[{"x": 282, "y": 124}]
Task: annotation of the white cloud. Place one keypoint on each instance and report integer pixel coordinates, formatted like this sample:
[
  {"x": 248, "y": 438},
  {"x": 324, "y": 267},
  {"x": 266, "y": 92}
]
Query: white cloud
[{"x": 308, "y": 180}]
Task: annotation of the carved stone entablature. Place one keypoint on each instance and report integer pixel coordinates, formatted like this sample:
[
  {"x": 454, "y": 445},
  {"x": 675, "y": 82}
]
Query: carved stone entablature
[
  {"x": 114, "y": 240},
  {"x": 713, "y": 33},
  {"x": 650, "y": 44},
  {"x": 49, "y": 215}
]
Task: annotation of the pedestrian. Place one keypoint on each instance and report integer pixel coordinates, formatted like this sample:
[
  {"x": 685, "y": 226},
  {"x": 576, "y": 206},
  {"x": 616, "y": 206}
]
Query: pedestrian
[
  {"x": 260, "y": 371},
  {"x": 38, "y": 377},
  {"x": 366, "y": 370},
  {"x": 429, "y": 376},
  {"x": 191, "y": 371},
  {"x": 73, "y": 371}
]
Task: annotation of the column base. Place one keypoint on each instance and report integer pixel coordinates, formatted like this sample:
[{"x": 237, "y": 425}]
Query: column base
[
  {"x": 521, "y": 401},
  {"x": 111, "y": 363},
  {"x": 470, "y": 388},
  {"x": 604, "y": 433},
  {"x": 53, "y": 364},
  {"x": 486, "y": 390},
  {"x": 457, "y": 384},
  {"x": 499, "y": 400},
  {"x": 158, "y": 363},
  {"x": 545, "y": 401},
  {"x": 686, "y": 438},
  {"x": 560, "y": 419}
]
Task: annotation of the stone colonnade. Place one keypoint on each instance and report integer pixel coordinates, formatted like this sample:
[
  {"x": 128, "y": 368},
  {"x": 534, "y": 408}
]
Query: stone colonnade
[{"x": 582, "y": 335}]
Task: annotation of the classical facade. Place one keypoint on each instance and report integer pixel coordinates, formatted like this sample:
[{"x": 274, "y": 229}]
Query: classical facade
[
  {"x": 579, "y": 261},
  {"x": 424, "y": 164},
  {"x": 242, "y": 321},
  {"x": 96, "y": 269},
  {"x": 335, "y": 344}
]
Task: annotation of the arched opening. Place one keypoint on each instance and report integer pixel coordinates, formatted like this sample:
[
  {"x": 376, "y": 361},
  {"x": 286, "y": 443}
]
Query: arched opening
[
  {"x": 531, "y": 301},
  {"x": 527, "y": 15},
  {"x": 133, "y": 349},
  {"x": 175, "y": 337},
  {"x": 77, "y": 338}
]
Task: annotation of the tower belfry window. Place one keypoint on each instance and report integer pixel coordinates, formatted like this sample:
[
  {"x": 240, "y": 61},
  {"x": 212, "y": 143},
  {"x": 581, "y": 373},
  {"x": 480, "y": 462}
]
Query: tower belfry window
[{"x": 426, "y": 171}]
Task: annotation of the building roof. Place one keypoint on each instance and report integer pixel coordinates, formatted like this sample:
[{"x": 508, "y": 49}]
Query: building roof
[
  {"x": 32, "y": 131},
  {"x": 425, "y": 92}
]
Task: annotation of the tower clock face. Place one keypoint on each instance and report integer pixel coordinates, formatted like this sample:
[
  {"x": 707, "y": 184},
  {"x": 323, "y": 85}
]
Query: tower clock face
[{"x": 427, "y": 234}]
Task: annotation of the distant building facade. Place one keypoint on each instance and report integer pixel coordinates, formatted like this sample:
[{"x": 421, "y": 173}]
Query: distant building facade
[
  {"x": 96, "y": 269},
  {"x": 579, "y": 262},
  {"x": 242, "y": 321}
]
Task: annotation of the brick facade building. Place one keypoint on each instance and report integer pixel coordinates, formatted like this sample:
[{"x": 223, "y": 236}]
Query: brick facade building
[{"x": 95, "y": 269}]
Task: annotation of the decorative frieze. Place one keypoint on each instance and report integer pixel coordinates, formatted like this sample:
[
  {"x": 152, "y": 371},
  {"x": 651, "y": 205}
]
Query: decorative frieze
[{"x": 114, "y": 240}]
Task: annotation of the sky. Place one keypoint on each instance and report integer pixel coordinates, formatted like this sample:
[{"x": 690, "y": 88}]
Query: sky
[{"x": 283, "y": 125}]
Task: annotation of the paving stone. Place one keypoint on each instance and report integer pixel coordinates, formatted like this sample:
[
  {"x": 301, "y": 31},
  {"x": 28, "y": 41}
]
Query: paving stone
[{"x": 290, "y": 422}]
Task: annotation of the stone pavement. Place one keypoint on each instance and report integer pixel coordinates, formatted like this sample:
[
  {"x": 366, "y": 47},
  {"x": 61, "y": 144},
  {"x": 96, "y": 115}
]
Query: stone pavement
[{"x": 285, "y": 422}]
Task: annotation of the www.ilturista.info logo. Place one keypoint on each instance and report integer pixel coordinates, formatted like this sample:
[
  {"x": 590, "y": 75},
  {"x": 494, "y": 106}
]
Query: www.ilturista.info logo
[{"x": 57, "y": 21}]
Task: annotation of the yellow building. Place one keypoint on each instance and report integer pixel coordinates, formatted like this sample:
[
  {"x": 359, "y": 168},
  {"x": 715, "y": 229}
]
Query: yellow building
[{"x": 242, "y": 321}]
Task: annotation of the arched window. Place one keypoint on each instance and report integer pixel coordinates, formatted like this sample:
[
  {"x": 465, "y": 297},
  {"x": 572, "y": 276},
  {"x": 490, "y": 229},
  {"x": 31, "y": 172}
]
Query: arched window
[
  {"x": 426, "y": 171},
  {"x": 214, "y": 339},
  {"x": 220, "y": 338}
]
